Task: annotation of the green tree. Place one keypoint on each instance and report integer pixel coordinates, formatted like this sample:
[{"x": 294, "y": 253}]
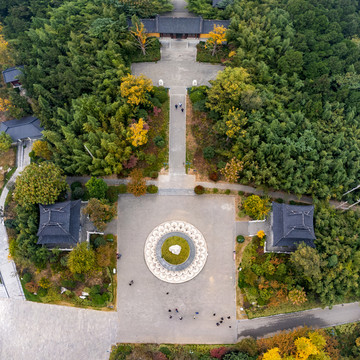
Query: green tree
[
  {"x": 39, "y": 184},
  {"x": 100, "y": 212},
  {"x": 5, "y": 142},
  {"x": 307, "y": 264},
  {"x": 97, "y": 188},
  {"x": 81, "y": 259}
]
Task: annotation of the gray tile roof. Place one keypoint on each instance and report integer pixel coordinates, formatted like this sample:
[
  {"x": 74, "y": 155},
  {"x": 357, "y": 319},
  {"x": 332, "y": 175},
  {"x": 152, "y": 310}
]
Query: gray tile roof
[
  {"x": 291, "y": 225},
  {"x": 209, "y": 25},
  {"x": 59, "y": 224},
  {"x": 181, "y": 25},
  {"x": 28, "y": 126},
  {"x": 178, "y": 25},
  {"x": 12, "y": 74}
]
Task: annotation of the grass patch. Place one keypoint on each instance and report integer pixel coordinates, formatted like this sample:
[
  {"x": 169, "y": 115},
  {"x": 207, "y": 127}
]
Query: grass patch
[
  {"x": 204, "y": 55},
  {"x": 152, "y": 52},
  {"x": 156, "y": 157},
  {"x": 172, "y": 258},
  {"x": 281, "y": 309},
  {"x": 28, "y": 295}
]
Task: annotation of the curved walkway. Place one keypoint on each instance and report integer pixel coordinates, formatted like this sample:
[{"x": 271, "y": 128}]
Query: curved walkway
[{"x": 11, "y": 282}]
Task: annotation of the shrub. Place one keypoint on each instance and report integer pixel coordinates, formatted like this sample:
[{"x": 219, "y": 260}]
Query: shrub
[
  {"x": 122, "y": 188},
  {"x": 159, "y": 141},
  {"x": 218, "y": 353},
  {"x": 77, "y": 193},
  {"x": 221, "y": 164},
  {"x": 240, "y": 239},
  {"x": 112, "y": 193},
  {"x": 97, "y": 188},
  {"x": 44, "y": 283},
  {"x": 31, "y": 286},
  {"x": 5, "y": 142},
  {"x": 165, "y": 350},
  {"x": 27, "y": 277},
  {"x": 154, "y": 174},
  {"x": 122, "y": 351},
  {"x": 256, "y": 207},
  {"x": 227, "y": 191},
  {"x": 75, "y": 184},
  {"x": 209, "y": 153},
  {"x": 152, "y": 189},
  {"x": 137, "y": 184},
  {"x": 214, "y": 176},
  {"x": 99, "y": 241},
  {"x": 142, "y": 114},
  {"x": 42, "y": 292},
  {"x": 10, "y": 223},
  {"x": 279, "y": 200},
  {"x": 69, "y": 284},
  {"x": 160, "y": 93},
  {"x": 215, "y": 190},
  {"x": 241, "y": 193},
  {"x": 109, "y": 237},
  {"x": 199, "y": 190},
  {"x": 159, "y": 356},
  {"x": 104, "y": 254}
]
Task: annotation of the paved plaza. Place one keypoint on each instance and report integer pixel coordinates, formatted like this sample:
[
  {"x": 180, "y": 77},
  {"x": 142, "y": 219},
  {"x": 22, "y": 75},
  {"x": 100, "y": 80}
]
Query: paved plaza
[{"x": 143, "y": 307}]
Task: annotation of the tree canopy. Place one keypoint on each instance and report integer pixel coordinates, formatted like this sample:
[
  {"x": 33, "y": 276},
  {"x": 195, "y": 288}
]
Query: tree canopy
[{"x": 39, "y": 184}]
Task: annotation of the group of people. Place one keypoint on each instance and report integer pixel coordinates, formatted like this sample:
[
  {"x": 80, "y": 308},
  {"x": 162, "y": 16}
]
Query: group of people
[{"x": 179, "y": 106}]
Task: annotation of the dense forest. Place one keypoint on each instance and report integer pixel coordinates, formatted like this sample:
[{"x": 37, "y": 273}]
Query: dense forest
[
  {"x": 287, "y": 104},
  {"x": 77, "y": 60}
]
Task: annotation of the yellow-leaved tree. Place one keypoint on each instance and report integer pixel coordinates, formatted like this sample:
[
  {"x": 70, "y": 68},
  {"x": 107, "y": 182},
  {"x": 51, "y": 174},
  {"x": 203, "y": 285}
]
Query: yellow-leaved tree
[
  {"x": 5, "y": 104},
  {"x": 216, "y": 38},
  {"x": 136, "y": 89},
  {"x": 305, "y": 348},
  {"x": 138, "y": 133},
  {"x": 272, "y": 354},
  {"x": 4, "y": 48},
  {"x": 139, "y": 33}
]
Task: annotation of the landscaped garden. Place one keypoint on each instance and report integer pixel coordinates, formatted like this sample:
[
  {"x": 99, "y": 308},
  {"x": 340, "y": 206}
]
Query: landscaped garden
[
  {"x": 84, "y": 276},
  {"x": 335, "y": 343}
]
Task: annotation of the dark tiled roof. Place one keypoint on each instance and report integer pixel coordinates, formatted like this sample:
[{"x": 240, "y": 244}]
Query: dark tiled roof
[
  {"x": 12, "y": 74},
  {"x": 27, "y": 127},
  {"x": 59, "y": 224},
  {"x": 292, "y": 225},
  {"x": 150, "y": 25},
  {"x": 209, "y": 25},
  {"x": 178, "y": 25},
  {"x": 181, "y": 25}
]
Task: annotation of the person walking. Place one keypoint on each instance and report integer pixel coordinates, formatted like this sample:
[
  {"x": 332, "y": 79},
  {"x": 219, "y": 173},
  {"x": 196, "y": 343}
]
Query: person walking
[
  {"x": 182, "y": 110},
  {"x": 177, "y": 310},
  {"x": 176, "y": 105},
  {"x": 180, "y": 104}
]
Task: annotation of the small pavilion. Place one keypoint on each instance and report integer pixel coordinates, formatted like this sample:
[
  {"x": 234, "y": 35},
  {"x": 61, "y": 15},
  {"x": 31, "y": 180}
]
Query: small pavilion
[
  {"x": 59, "y": 225},
  {"x": 291, "y": 225}
]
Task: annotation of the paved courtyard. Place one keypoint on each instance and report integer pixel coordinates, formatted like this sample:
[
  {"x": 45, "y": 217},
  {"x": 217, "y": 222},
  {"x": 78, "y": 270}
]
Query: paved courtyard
[
  {"x": 178, "y": 66},
  {"x": 143, "y": 307}
]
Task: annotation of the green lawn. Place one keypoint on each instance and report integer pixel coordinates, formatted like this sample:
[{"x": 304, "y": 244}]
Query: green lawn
[{"x": 172, "y": 258}]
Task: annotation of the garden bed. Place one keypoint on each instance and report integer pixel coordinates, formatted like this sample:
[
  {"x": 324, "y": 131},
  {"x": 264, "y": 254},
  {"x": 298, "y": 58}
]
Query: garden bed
[
  {"x": 152, "y": 52},
  {"x": 55, "y": 284},
  {"x": 156, "y": 157},
  {"x": 204, "y": 55}
]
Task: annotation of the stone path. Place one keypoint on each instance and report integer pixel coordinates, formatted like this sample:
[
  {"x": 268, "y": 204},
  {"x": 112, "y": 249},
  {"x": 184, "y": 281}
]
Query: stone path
[
  {"x": 11, "y": 283},
  {"x": 179, "y": 10},
  {"x": 177, "y": 131}
]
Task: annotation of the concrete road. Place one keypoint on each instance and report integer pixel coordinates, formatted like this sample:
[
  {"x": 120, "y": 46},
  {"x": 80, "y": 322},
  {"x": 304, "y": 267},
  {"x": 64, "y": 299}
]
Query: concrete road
[{"x": 317, "y": 318}]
